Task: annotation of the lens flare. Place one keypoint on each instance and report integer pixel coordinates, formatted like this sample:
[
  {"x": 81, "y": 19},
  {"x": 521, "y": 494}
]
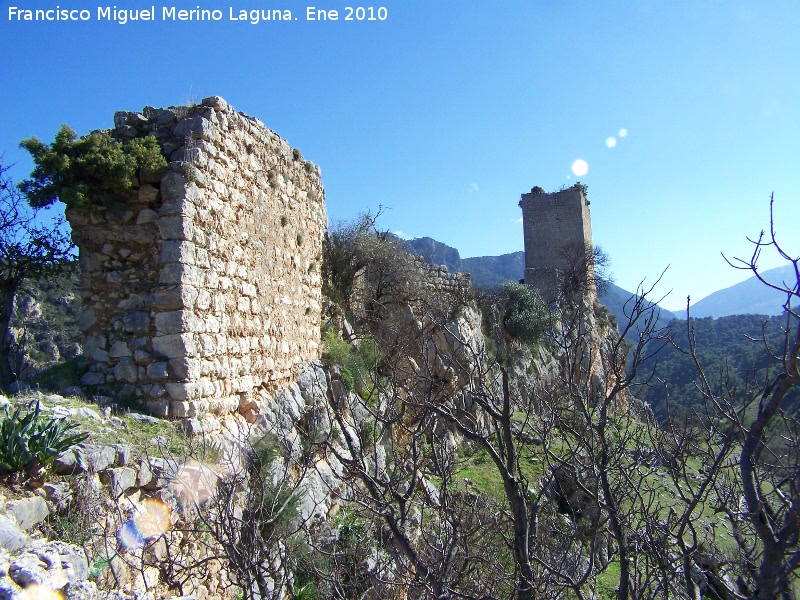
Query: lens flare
[
  {"x": 38, "y": 592},
  {"x": 611, "y": 141},
  {"x": 195, "y": 483},
  {"x": 149, "y": 523},
  {"x": 623, "y": 132},
  {"x": 580, "y": 167},
  {"x": 129, "y": 536},
  {"x": 154, "y": 519}
]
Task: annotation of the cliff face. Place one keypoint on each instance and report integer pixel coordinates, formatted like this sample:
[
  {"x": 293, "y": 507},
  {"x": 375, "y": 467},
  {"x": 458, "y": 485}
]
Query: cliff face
[{"x": 436, "y": 253}]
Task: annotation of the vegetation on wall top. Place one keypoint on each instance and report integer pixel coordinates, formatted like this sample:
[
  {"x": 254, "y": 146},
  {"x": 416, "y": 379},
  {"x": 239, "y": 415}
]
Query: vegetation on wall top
[{"x": 88, "y": 170}]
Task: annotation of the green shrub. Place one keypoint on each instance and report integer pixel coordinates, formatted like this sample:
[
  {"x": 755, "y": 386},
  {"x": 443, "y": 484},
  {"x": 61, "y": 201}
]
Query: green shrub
[
  {"x": 334, "y": 349},
  {"x": 60, "y": 375},
  {"x": 527, "y": 317},
  {"x": 284, "y": 220},
  {"x": 347, "y": 378},
  {"x": 369, "y": 433},
  {"x": 296, "y": 154},
  {"x": 90, "y": 170},
  {"x": 147, "y": 154},
  {"x": 29, "y": 441},
  {"x": 305, "y": 592},
  {"x": 357, "y": 362},
  {"x": 189, "y": 172}
]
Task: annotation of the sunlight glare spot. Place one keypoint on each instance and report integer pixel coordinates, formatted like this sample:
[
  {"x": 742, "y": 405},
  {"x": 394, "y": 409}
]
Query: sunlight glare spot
[
  {"x": 611, "y": 141},
  {"x": 623, "y": 132},
  {"x": 154, "y": 520},
  {"x": 38, "y": 592},
  {"x": 150, "y": 522},
  {"x": 580, "y": 167},
  {"x": 195, "y": 483}
]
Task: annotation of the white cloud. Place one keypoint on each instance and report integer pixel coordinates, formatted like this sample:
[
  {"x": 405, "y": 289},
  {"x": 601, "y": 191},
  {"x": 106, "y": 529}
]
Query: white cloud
[
  {"x": 402, "y": 235},
  {"x": 611, "y": 141},
  {"x": 473, "y": 187}
]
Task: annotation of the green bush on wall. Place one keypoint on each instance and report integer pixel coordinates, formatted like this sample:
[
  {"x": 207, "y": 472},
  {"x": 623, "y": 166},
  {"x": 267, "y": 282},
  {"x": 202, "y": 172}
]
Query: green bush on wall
[{"x": 89, "y": 170}]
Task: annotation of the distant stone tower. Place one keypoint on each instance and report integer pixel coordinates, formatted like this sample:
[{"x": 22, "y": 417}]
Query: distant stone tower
[{"x": 558, "y": 235}]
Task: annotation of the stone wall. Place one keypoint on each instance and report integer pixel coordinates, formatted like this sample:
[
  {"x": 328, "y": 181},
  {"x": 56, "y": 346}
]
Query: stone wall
[
  {"x": 202, "y": 289},
  {"x": 554, "y": 225},
  {"x": 440, "y": 279}
]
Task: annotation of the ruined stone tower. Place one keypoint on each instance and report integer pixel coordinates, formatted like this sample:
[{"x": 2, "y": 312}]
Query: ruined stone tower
[
  {"x": 558, "y": 234},
  {"x": 201, "y": 289}
]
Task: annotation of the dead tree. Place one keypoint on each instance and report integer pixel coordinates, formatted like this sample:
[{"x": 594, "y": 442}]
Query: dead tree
[{"x": 749, "y": 446}]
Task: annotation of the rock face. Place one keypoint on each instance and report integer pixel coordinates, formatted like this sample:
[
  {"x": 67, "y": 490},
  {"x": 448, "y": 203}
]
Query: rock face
[
  {"x": 435, "y": 253},
  {"x": 202, "y": 285}
]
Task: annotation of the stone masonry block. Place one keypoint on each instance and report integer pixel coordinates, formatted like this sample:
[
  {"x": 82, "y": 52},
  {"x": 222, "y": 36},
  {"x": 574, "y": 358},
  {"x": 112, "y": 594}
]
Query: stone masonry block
[
  {"x": 119, "y": 349},
  {"x": 184, "y": 368},
  {"x": 171, "y": 298},
  {"x": 126, "y": 370},
  {"x": 147, "y": 193},
  {"x": 175, "y": 346},
  {"x": 177, "y": 321},
  {"x": 157, "y": 371},
  {"x": 158, "y": 408},
  {"x": 183, "y": 410},
  {"x": 173, "y": 187},
  {"x": 196, "y": 127},
  {"x": 178, "y": 251},
  {"x": 183, "y": 391},
  {"x": 178, "y": 227},
  {"x": 136, "y": 321},
  {"x": 146, "y": 216},
  {"x": 180, "y": 274}
]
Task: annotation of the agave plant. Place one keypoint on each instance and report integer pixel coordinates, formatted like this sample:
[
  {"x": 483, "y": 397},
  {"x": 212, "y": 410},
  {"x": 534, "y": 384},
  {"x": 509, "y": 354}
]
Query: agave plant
[{"x": 29, "y": 440}]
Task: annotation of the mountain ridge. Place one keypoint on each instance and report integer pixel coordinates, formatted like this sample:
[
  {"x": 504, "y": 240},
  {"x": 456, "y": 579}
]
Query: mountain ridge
[
  {"x": 494, "y": 271},
  {"x": 747, "y": 297}
]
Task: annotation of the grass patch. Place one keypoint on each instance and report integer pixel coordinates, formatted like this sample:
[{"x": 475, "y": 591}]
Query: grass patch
[
  {"x": 608, "y": 582},
  {"x": 163, "y": 437},
  {"x": 59, "y": 376}
]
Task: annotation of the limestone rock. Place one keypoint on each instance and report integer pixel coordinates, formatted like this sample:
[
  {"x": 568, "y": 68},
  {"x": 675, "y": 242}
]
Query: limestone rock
[
  {"x": 85, "y": 458},
  {"x": 28, "y": 511},
  {"x": 12, "y": 538},
  {"x": 119, "y": 480}
]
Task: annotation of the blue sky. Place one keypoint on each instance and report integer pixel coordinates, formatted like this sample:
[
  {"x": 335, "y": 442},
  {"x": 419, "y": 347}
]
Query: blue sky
[{"x": 448, "y": 110}]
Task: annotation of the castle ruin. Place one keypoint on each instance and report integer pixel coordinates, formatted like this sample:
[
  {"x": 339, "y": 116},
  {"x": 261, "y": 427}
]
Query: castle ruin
[
  {"x": 558, "y": 233},
  {"x": 201, "y": 290}
]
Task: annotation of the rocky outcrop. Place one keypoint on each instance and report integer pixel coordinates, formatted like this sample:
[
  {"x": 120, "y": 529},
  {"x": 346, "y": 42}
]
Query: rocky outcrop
[
  {"x": 435, "y": 253},
  {"x": 141, "y": 506}
]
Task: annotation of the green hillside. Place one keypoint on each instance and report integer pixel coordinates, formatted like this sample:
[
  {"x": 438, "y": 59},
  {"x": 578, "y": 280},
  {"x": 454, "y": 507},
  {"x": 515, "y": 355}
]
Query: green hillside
[{"x": 731, "y": 353}]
